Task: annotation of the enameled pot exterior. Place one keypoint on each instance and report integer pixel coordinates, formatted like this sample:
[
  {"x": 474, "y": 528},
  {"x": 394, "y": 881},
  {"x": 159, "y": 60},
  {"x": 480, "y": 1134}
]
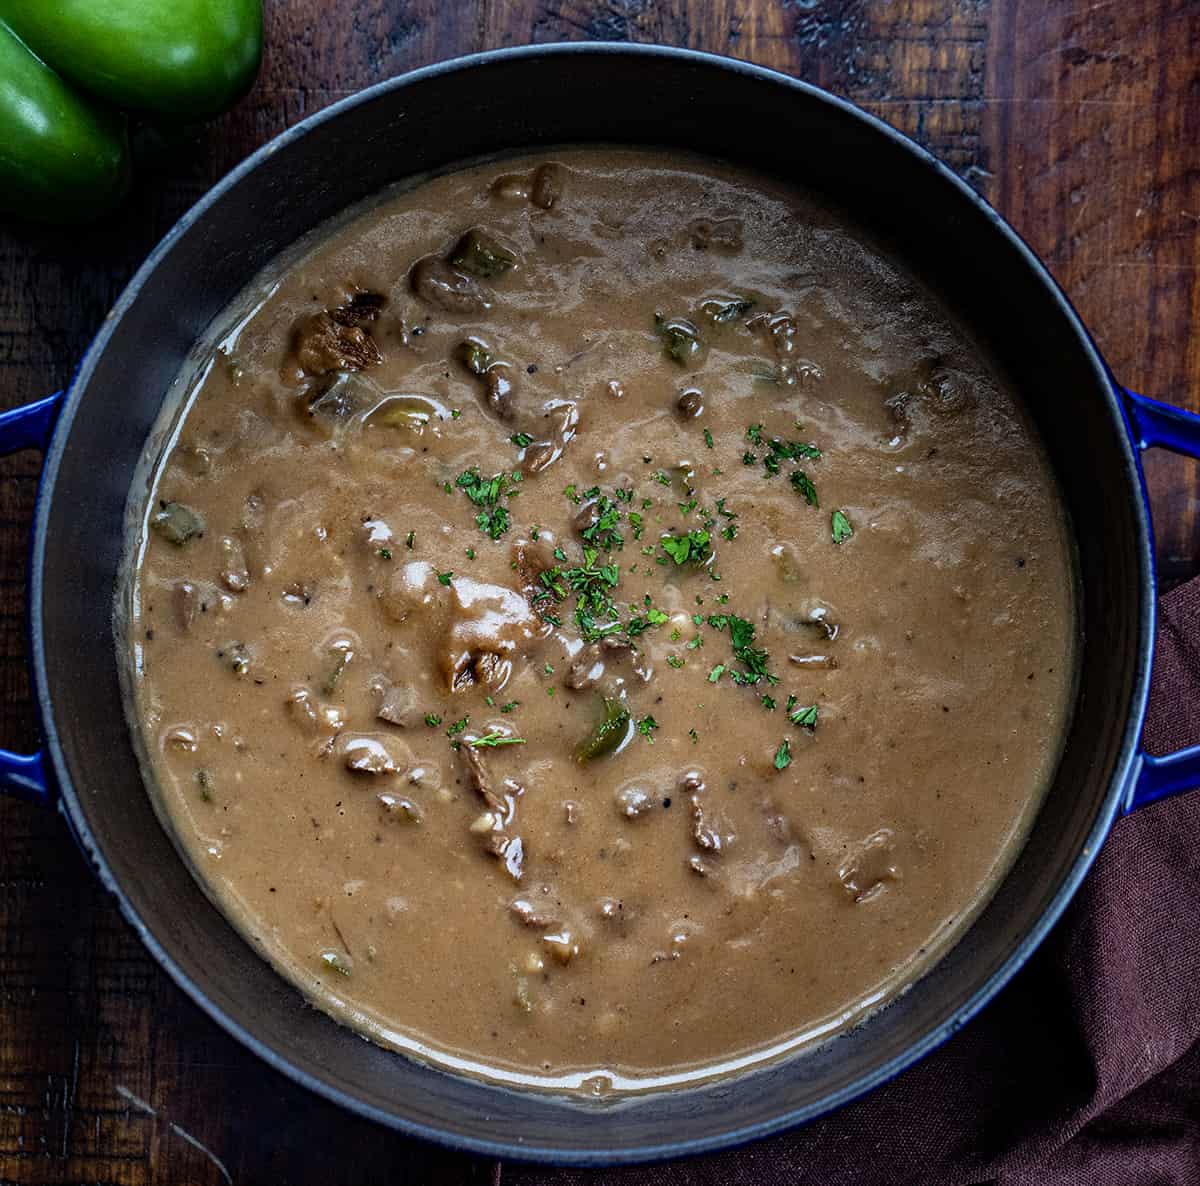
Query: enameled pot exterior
[{"x": 491, "y": 104}]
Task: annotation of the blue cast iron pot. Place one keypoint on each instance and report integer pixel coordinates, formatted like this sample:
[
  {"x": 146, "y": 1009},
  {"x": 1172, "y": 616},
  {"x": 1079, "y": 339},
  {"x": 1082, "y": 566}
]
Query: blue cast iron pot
[{"x": 94, "y": 434}]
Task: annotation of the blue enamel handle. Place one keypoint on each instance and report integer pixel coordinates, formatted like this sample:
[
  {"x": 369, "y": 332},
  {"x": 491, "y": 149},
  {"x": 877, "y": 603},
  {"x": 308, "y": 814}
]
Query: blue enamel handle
[
  {"x": 1155, "y": 425},
  {"x": 30, "y": 427}
]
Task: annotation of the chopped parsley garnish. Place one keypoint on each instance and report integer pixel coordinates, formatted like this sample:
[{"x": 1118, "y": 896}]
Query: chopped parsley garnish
[
  {"x": 806, "y": 716},
  {"x": 509, "y": 706},
  {"x": 729, "y": 531},
  {"x": 662, "y": 479},
  {"x": 708, "y": 438},
  {"x": 839, "y": 527},
  {"x": 793, "y": 450},
  {"x": 470, "y": 553},
  {"x": 522, "y": 440},
  {"x": 639, "y": 625},
  {"x": 432, "y": 720},
  {"x": 493, "y": 739},
  {"x": 803, "y": 486},
  {"x": 692, "y": 548},
  {"x": 646, "y": 727},
  {"x": 716, "y": 673},
  {"x": 591, "y": 583},
  {"x": 485, "y": 493},
  {"x": 783, "y": 756},
  {"x": 752, "y": 658},
  {"x": 385, "y": 553},
  {"x": 778, "y": 451},
  {"x": 458, "y": 726},
  {"x": 674, "y": 661},
  {"x": 768, "y": 702},
  {"x": 603, "y": 533},
  {"x": 444, "y": 578}
]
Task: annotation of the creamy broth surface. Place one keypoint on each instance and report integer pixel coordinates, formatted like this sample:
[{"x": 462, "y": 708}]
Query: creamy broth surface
[{"x": 599, "y": 622}]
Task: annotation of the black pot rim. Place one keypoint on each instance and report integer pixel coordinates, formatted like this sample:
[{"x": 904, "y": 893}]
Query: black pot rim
[{"x": 1107, "y": 811}]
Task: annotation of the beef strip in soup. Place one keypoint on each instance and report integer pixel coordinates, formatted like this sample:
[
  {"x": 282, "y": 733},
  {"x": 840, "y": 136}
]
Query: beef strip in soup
[{"x": 600, "y": 622}]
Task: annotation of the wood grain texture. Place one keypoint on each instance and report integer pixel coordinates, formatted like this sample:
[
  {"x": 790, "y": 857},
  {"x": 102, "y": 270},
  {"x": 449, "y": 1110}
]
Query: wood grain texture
[{"x": 1079, "y": 119}]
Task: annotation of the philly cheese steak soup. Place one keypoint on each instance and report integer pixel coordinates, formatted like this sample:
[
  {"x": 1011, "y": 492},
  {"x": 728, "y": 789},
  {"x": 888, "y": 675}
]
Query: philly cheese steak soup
[{"x": 597, "y": 622}]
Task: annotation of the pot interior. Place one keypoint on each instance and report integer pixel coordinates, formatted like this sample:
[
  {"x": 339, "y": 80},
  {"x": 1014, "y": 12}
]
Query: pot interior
[{"x": 526, "y": 100}]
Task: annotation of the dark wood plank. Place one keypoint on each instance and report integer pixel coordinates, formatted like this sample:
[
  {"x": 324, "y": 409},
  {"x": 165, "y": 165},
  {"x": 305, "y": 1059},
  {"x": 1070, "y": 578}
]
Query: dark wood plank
[
  {"x": 1093, "y": 137},
  {"x": 1079, "y": 119}
]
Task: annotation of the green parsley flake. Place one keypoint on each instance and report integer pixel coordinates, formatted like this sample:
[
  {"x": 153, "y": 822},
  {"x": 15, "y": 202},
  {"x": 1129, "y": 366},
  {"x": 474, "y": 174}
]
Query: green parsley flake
[
  {"x": 708, "y": 438},
  {"x": 522, "y": 440},
  {"x": 493, "y": 519},
  {"x": 753, "y": 659},
  {"x": 692, "y": 548},
  {"x": 803, "y": 486},
  {"x": 646, "y": 727},
  {"x": 602, "y": 531},
  {"x": 768, "y": 702},
  {"x": 493, "y": 739},
  {"x": 432, "y": 720},
  {"x": 458, "y": 726},
  {"x": 444, "y": 578},
  {"x": 839, "y": 527},
  {"x": 674, "y": 661},
  {"x": 385, "y": 553},
  {"x": 806, "y": 717},
  {"x": 716, "y": 673},
  {"x": 638, "y": 625},
  {"x": 509, "y": 706},
  {"x": 783, "y": 756}
]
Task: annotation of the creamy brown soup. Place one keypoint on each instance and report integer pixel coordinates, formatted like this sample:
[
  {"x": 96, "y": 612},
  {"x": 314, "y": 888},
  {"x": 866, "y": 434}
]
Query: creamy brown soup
[{"x": 599, "y": 622}]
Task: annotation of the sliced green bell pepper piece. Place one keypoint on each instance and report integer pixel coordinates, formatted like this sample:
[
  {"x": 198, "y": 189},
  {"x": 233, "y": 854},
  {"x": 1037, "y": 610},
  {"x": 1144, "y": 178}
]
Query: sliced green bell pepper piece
[
  {"x": 62, "y": 158},
  {"x": 183, "y": 59}
]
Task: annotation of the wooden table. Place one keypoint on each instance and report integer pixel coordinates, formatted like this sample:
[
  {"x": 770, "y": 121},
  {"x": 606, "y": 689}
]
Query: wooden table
[{"x": 1079, "y": 119}]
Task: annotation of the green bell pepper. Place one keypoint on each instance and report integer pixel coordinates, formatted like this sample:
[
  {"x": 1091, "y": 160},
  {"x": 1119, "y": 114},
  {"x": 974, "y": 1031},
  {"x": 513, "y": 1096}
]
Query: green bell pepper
[
  {"x": 62, "y": 158},
  {"x": 183, "y": 59}
]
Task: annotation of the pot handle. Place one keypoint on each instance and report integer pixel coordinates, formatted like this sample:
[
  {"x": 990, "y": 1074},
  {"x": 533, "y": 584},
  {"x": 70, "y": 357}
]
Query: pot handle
[
  {"x": 30, "y": 427},
  {"x": 1155, "y": 425}
]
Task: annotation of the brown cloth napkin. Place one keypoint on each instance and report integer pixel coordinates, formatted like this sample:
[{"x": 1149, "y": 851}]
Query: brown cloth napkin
[{"x": 1085, "y": 1071}]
